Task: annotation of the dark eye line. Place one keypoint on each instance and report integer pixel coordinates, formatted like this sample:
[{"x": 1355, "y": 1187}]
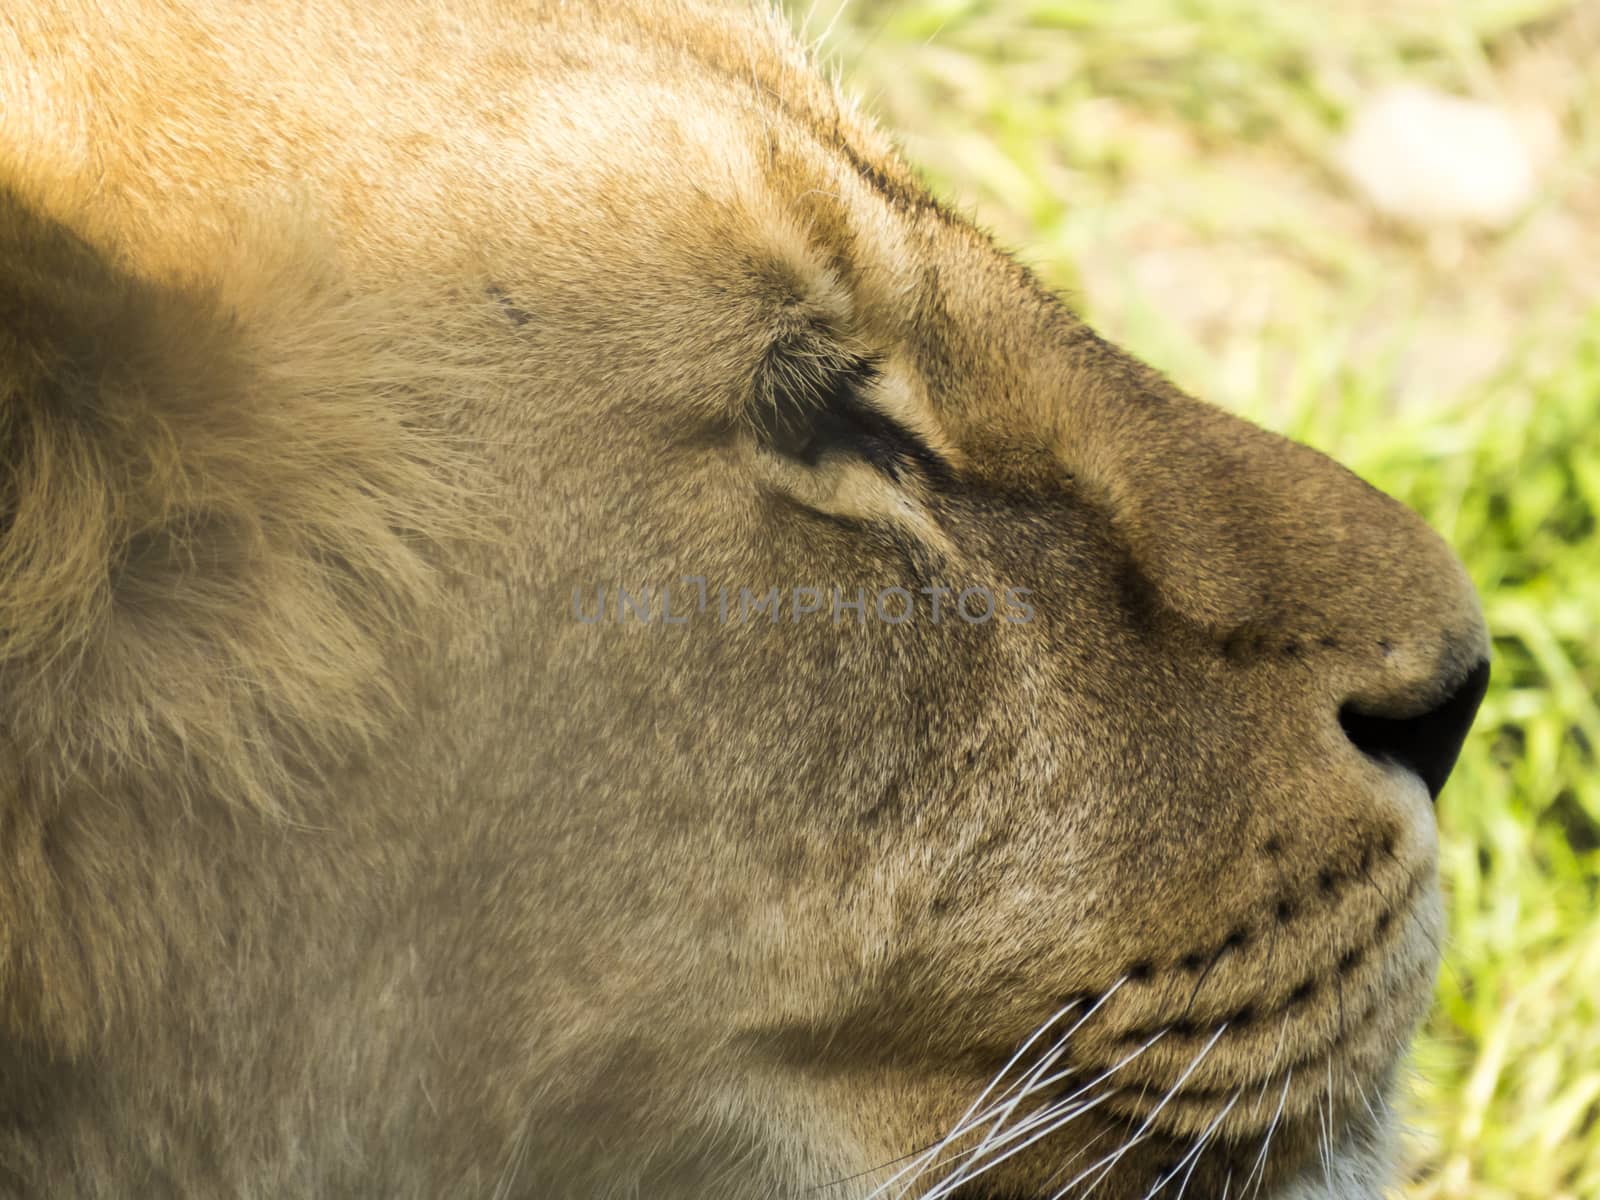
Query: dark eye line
[{"x": 835, "y": 416}]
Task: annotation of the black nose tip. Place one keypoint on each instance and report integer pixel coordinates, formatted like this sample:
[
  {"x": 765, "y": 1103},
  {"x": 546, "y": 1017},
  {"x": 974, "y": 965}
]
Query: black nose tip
[{"x": 1426, "y": 743}]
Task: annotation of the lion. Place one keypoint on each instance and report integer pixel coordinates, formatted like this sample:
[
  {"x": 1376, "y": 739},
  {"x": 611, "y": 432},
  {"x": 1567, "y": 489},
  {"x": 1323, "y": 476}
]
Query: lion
[{"x": 568, "y": 630}]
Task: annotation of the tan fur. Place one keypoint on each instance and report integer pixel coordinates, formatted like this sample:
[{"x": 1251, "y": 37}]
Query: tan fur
[{"x": 341, "y": 347}]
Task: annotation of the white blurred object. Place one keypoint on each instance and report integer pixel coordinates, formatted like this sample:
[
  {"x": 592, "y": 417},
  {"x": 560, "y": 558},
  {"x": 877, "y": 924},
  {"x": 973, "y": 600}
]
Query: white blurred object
[{"x": 1426, "y": 158}]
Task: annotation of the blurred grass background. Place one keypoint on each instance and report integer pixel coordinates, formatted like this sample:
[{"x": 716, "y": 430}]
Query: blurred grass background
[{"x": 1173, "y": 166}]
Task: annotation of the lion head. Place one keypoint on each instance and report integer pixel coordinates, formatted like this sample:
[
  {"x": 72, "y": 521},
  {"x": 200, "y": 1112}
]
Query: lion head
[{"x": 568, "y": 630}]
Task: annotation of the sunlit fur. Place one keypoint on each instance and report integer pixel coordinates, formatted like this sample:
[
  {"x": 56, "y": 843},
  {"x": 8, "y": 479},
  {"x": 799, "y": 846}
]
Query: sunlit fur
[{"x": 340, "y": 346}]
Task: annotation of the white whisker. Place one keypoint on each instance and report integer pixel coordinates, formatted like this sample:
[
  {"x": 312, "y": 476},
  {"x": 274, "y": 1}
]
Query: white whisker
[
  {"x": 1075, "y": 1156},
  {"x": 1109, "y": 1163},
  {"x": 1047, "y": 1115},
  {"x": 1201, "y": 1145},
  {"x": 1001, "y": 1112},
  {"x": 1272, "y": 1127},
  {"x": 1057, "y": 1078},
  {"x": 964, "y": 1122},
  {"x": 968, "y": 1121},
  {"x": 1194, "y": 1153},
  {"x": 1064, "y": 1118},
  {"x": 1272, "y": 1064},
  {"x": 1325, "y": 1130},
  {"x": 1366, "y": 1103}
]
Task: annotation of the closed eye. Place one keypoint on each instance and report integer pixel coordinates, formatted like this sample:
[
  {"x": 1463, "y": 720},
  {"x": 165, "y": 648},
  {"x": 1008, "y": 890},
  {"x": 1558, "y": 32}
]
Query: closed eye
[{"x": 808, "y": 415}]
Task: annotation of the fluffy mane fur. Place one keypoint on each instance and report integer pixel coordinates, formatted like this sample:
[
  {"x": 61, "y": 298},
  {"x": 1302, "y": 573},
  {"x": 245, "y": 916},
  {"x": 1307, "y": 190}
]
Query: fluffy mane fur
[{"x": 221, "y": 490}]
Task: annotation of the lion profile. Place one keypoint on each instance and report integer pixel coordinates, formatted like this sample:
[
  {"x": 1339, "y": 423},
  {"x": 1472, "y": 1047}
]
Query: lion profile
[{"x": 343, "y": 354}]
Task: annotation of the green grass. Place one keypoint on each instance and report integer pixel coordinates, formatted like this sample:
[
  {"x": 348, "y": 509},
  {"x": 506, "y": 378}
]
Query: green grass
[{"x": 1171, "y": 165}]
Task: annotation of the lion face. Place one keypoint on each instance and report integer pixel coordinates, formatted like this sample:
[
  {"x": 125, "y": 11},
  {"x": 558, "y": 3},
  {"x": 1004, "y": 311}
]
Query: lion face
[{"x": 836, "y": 712}]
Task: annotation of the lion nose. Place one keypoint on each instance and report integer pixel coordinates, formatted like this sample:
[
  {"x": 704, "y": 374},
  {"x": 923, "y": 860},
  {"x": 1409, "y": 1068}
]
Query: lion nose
[{"x": 1425, "y": 743}]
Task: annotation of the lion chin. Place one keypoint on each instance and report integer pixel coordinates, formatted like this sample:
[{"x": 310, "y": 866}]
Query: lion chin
[{"x": 567, "y": 630}]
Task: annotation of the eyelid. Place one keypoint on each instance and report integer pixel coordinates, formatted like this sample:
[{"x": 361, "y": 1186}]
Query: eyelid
[
  {"x": 838, "y": 412},
  {"x": 878, "y": 424}
]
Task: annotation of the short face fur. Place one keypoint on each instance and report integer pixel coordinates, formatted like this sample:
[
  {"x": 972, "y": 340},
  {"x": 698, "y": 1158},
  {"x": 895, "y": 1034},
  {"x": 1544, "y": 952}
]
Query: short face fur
[{"x": 351, "y": 360}]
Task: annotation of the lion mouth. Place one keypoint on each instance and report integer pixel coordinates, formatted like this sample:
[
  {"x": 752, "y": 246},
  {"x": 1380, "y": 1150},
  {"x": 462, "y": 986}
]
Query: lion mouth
[
  {"x": 1301, "y": 1052},
  {"x": 1176, "y": 1089},
  {"x": 1144, "y": 1137}
]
